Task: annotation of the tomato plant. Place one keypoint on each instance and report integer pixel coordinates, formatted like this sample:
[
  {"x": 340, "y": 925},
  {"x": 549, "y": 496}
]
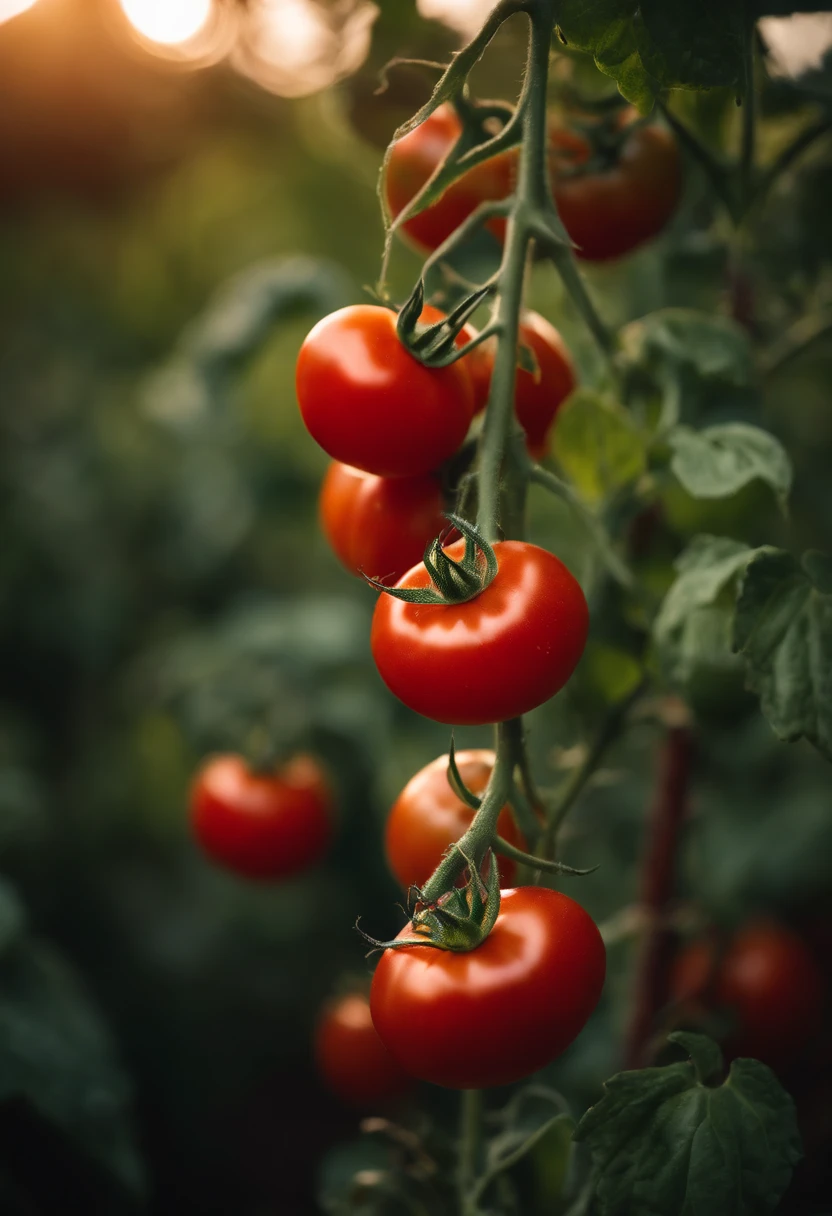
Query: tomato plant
[
  {"x": 379, "y": 526},
  {"x": 413, "y": 160},
  {"x": 493, "y": 1015},
  {"x": 350, "y": 1056},
  {"x": 612, "y": 207},
  {"x": 262, "y": 825},
  {"x": 766, "y": 979},
  {"x": 428, "y": 817},
  {"x": 490, "y": 658},
  {"x": 370, "y": 404}
]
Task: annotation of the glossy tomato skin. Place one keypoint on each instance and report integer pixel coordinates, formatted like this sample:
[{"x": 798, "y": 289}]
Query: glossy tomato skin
[
  {"x": 428, "y": 817},
  {"x": 767, "y": 978},
  {"x": 608, "y": 213},
  {"x": 370, "y": 404},
  {"x": 413, "y": 160},
  {"x": 494, "y": 657},
  {"x": 495, "y": 1014},
  {"x": 262, "y": 826},
  {"x": 379, "y": 526},
  {"x": 538, "y": 396},
  {"x": 351, "y": 1058}
]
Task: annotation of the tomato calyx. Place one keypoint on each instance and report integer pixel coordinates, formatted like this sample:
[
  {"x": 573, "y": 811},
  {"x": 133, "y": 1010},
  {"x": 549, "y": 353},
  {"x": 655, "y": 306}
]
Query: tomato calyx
[
  {"x": 452, "y": 582},
  {"x": 436, "y": 344},
  {"x": 460, "y": 920}
]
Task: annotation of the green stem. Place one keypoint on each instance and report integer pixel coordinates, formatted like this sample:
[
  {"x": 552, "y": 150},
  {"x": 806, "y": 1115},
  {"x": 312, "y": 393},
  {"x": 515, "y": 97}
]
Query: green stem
[
  {"x": 469, "y": 1149},
  {"x": 789, "y": 155},
  {"x": 483, "y": 829},
  {"x": 797, "y": 338},
  {"x": 610, "y": 729}
]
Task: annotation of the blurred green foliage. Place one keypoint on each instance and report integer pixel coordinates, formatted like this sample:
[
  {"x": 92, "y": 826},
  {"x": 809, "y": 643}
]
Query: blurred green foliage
[{"x": 164, "y": 592}]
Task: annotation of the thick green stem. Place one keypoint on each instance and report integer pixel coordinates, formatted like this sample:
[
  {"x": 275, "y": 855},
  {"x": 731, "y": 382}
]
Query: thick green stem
[
  {"x": 749, "y": 116},
  {"x": 478, "y": 839},
  {"x": 469, "y": 1149}
]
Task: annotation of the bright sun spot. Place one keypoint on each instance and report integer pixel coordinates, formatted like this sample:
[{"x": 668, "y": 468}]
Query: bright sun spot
[
  {"x": 11, "y": 8},
  {"x": 166, "y": 21}
]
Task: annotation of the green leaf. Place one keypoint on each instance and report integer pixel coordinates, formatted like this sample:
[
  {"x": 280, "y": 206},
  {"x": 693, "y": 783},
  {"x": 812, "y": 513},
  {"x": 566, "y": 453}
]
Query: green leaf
[
  {"x": 534, "y": 1113},
  {"x": 693, "y": 358},
  {"x": 56, "y": 1053},
  {"x": 719, "y": 460},
  {"x": 693, "y": 629},
  {"x": 707, "y": 566},
  {"x": 783, "y": 629},
  {"x": 652, "y": 46},
  {"x": 598, "y": 444},
  {"x": 662, "y": 1141}
]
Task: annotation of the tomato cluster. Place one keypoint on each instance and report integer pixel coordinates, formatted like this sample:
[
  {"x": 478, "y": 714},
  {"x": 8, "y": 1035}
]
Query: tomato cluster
[{"x": 609, "y": 203}]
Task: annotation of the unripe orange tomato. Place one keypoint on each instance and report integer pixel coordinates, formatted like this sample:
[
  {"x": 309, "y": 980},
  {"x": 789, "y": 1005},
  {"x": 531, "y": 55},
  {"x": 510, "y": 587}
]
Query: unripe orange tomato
[{"x": 428, "y": 817}]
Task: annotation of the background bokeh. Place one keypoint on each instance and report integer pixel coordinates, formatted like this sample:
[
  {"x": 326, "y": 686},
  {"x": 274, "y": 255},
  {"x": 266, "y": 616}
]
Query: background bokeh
[{"x": 178, "y": 204}]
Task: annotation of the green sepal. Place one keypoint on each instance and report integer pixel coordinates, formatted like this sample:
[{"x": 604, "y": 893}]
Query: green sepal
[
  {"x": 435, "y": 344},
  {"x": 538, "y": 863},
  {"x": 459, "y": 921},
  {"x": 457, "y": 784},
  {"x": 451, "y": 582}
]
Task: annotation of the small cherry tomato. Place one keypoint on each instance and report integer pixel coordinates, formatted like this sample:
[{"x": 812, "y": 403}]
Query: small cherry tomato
[
  {"x": 496, "y": 656},
  {"x": 767, "y": 978},
  {"x": 611, "y": 210},
  {"x": 262, "y": 825},
  {"x": 370, "y": 404},
  {"x": 413, "y": 160},
  {"x": 379, "y": 526},
  {"x": 537, "y": 396},
  {"x": 428, "y": 817},
  {"x": 350, "y": 1056},
  {"x": 495, "y": 1014}
]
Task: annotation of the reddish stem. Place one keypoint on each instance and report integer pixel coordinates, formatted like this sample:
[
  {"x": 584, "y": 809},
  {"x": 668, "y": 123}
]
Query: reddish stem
[{"x": 667, "y": 816}]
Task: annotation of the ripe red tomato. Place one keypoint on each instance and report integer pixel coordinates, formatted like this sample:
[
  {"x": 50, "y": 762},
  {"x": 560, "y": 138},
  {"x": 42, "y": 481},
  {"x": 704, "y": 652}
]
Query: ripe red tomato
[
  {"x": 610, "y": 211},
  {"x": 413, "y": 160},
  {"x": 428, "y": 817},
  {"x": 370, "y": 404},
  {"x": 379, "y": 526},
  {"x": 495, "y": 1014},
  {"x": 494, "y": 657},
  {"x": 351, "y": 1057},
  {"x": 770, "y": 981},
  {"x": 537, "y": 397},
  {"x": 262, "y": 825}
]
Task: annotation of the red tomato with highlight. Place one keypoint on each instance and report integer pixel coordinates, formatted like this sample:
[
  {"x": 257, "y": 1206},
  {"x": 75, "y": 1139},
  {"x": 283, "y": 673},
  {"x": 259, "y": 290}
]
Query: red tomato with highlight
[
  {"x": 767, "y": 978},
  {"x": 610, "y": 211},
  {"x": 537, "y": 396},
  {"x": 494, "y": 657},
  {"x": 495, "y": 1014},
  {"x": 262, "y": 825},
  {"x": 379, "y": 526},
  {"x": 370, "y": 404},
  {"x": 351, "y": 1058},
  {"x": 413, "y": 160},
  {"x": 428, "y": 817}
]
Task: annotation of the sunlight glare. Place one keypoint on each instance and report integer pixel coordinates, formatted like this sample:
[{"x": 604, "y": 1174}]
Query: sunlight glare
[
  {"x": 297, "y": 47},
  {"x": 168, "y": 22},
  {"x": 464, "y": 16},
  {"x": 13, "y": 8}
]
